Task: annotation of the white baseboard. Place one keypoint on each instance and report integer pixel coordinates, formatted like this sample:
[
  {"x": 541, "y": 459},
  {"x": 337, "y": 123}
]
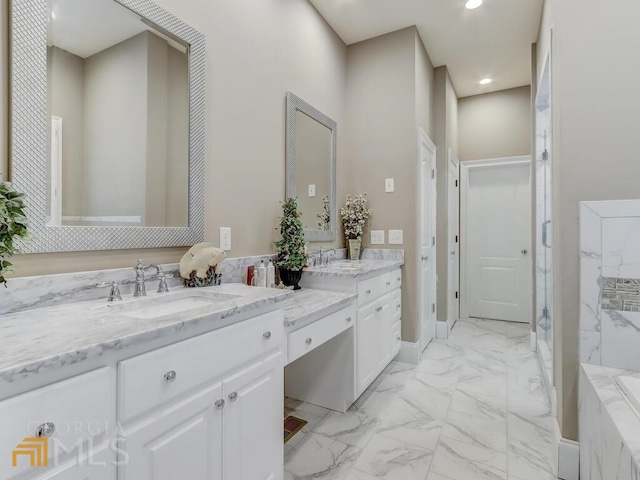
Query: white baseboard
[
  {"x": 568, "y": 460},
  {"x": 442, "y": 330},
  {"x": 533, "y": 341},
  {"x": 409, "y": 353}
]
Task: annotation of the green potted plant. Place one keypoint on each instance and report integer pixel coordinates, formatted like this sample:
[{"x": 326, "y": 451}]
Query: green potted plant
[
  {"x": 290, "y": 249},
  {"x": 355, "y": 214},
  {"x": 13, "y": 225}
]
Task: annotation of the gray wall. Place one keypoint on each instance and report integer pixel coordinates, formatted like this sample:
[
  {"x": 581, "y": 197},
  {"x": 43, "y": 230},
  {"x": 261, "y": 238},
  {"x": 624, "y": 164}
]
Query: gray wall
[
  {"x": 446, "y": 137},
  {"x": 595, "y": 107},
  {"x": 389, "y": 95},
  {"x": 277, "y": 47},
  {"x": 65, "y": 88},
  {"x": 495, "y": 125},
  {"x": 116, "y": 90}
]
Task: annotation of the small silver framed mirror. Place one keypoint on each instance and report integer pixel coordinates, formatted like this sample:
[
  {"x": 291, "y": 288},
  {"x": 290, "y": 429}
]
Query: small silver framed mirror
[
  {"x": 107, "y": 124},
  {"x": 311, "y": 168}
]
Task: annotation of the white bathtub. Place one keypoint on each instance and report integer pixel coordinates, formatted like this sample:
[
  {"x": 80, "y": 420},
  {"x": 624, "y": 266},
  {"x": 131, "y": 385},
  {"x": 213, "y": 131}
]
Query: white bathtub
[{"x": 630, "y": 386}]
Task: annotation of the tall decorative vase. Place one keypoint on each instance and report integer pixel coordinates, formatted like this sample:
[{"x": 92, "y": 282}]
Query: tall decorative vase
[{"x": 354, "y": 248}]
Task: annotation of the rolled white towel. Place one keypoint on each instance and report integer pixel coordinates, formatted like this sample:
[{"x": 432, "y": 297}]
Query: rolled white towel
[{"x": 200, "y": 258}]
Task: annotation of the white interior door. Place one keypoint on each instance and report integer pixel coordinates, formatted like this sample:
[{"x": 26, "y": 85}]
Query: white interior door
[
  {"x": 427, "y": 239},
  {"x": 454, "y": 237},
  {"x": 497, "y": 237}
]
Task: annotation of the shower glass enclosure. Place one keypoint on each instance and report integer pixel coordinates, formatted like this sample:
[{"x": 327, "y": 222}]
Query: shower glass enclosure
[{"x": 544, "y": 252}]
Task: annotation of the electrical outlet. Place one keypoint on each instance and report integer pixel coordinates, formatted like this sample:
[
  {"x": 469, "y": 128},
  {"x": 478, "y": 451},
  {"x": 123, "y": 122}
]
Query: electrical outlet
[
  {"x": 389, "y": 186},
  {"x": 396, "y": 237},
  {"x": 312, "y": 190},
  {"x": 377, "y": 237},
  {"x": 225, "y": 238}
]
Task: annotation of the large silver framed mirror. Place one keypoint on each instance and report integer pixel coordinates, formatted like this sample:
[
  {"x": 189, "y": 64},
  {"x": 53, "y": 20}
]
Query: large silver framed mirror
[
  {"x": 311, "y": 168},
  {"x": 107, "y": 124}
]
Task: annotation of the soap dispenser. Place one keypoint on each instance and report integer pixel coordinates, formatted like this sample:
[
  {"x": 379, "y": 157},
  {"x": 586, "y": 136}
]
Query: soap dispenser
[
  {"x": 271, "y": 275},
  {"x": 262, "y": 274}
]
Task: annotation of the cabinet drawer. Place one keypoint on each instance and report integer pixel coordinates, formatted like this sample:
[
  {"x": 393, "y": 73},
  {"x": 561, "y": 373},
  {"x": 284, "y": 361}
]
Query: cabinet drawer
[
  {"x": 371, "y": 289},
  {"x": 396, "y": 278},
  {"x": 306, "y": 339},
  {"x": 396, "y": 304},
  {"x": 97, "y": 466},
  {"x": 155, "y": 378},
  {"x": 80, "y": 408}
]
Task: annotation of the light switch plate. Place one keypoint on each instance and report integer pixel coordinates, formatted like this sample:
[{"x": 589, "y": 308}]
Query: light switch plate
[
  {"x": 396, "y": 237},
  {"x": 377, "y": 237},
  {"x": 389, "y": 186},
  {"x": 312, "y": 190},
  {"x": 225, "y": 238}
]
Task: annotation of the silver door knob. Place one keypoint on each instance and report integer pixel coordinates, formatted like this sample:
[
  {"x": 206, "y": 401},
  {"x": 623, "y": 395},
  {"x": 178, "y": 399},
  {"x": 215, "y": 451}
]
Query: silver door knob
[
  {"x": 267, "y": 335},
  {"x": 220, "y": 404},
  {"x": 170, "y": 376},
  {"x": 524, "y": 252},
  {"x": 308, "y": 341},
  {"x": 233, "y": 396},
  {"x": 45, "y": 430}
]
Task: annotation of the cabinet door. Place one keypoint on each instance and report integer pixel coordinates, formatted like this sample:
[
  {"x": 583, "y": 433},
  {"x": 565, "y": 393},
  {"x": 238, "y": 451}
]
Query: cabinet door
[
  {"x": 367, "y": 346},
  {"x": 99, "y": 465},
  {"x": 183, "y": 441},
  {"x": 252, "y": 437},
  {"x": 385, "y": 330}
]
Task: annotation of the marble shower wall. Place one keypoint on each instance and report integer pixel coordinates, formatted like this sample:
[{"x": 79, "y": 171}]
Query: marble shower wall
[{"x": 610, "y": 283}]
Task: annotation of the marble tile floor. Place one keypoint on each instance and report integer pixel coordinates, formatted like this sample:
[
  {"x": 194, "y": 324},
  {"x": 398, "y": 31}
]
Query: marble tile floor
[{"x": 473, "y": 409}]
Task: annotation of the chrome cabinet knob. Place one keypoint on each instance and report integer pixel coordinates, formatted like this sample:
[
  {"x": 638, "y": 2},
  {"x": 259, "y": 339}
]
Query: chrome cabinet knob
[
  {"x": 398, "y": 306},
  {"x": 170, "y": 376},
  {"x": 267, "y": 335},
  {"x": 308, "y": 341},
  {"x": 45, "y": 430},
  {"x": 220, "y": 404},
  {"x": 379, "y": 309},
  {"x": 368, "y": 292},
  {"x": 348, "y": 319},
  {"x": 388, "y": 284},
  {"x": 525, "y": 251},
  {"x": 233, "y": 396},
  {"x": 425, "y": 258},
  {"x": 398, "y": 338}
]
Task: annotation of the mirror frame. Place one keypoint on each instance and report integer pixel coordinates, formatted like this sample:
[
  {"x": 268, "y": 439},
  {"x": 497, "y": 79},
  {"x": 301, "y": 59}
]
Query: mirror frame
[
  {"x": 296, "y": 104},
  {"x": 29, "y": 131}
]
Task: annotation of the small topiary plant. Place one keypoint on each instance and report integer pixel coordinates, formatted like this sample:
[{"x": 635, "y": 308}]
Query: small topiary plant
[
  {"x": 13, "y": 225},
  {"x": 290, "y": 249}
]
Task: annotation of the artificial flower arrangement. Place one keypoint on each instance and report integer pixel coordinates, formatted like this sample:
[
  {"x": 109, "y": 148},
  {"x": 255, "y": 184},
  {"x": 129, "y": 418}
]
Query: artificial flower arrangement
[{"x": 13, "y": 225}]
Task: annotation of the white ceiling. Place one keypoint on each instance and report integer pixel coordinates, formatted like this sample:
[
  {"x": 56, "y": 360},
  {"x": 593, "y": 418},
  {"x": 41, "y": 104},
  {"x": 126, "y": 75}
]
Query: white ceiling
[
  {"x": 492, "y": 41},
  {"x": 85, "y": 28}
]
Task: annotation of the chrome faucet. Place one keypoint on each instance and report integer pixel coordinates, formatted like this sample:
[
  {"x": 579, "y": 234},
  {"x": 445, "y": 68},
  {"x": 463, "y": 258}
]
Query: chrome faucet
[
  {"x": 325, "y": 258},
  {"x": 140, "y": 289},
  {"x": 114, "y": 292}
]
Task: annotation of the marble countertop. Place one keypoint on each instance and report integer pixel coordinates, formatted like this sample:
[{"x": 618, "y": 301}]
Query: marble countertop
[
  {"x": 310, "y": 305},
  {"x": 357, "y": 269},
  {"x": 626, "y": 420},
  {"x": 41, "y": 340}
]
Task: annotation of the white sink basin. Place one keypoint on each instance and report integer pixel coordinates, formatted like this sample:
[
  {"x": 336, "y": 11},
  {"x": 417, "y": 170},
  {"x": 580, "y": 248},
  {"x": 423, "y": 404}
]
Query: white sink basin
[{"x": 168, "y": 304}]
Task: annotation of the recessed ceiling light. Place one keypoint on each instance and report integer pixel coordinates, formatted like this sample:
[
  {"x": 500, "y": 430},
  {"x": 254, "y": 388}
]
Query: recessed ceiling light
[
  {"x": 471, "y": 4},
  {"x": 485, "y": 81},
  {"x": 53, "y": 15}
]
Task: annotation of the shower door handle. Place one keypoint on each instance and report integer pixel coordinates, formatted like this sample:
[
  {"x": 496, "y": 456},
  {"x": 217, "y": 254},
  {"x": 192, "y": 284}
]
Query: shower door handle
[{"x": 545, "y": 234}]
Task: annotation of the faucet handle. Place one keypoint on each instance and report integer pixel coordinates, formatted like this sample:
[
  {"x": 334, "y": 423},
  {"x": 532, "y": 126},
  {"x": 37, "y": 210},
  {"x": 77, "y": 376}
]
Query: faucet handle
[
  {"x": 114, "y": 293},
  {"x": 162, "y": 284}
]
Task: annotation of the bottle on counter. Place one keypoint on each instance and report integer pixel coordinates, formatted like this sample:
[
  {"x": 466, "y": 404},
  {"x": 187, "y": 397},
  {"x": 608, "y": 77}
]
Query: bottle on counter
[
  {"x": 262, "y": 274},
  {"x": 271, "y": 275},
  {"x": 250, "y": 275}
]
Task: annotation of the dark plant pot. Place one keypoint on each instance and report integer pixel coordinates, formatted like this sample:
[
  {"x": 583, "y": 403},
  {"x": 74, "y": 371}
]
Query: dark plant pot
[{"x": 290, "y": 278}]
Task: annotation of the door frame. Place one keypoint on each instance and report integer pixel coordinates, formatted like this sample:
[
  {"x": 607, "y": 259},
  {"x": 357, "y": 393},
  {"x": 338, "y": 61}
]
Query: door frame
[
  {"x": 453, "y": 163},
  {"x": 465, "y": 170},
  {"x": 424, "y": 139}
]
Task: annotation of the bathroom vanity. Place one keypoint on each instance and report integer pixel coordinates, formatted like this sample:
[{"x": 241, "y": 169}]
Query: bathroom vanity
[{"x": 153, "y": 388}]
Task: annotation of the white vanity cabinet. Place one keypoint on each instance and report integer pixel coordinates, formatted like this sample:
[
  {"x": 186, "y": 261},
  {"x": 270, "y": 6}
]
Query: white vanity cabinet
[
  {"x": 204, "y": 410},
  {"x": 377, "y": 318}
]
